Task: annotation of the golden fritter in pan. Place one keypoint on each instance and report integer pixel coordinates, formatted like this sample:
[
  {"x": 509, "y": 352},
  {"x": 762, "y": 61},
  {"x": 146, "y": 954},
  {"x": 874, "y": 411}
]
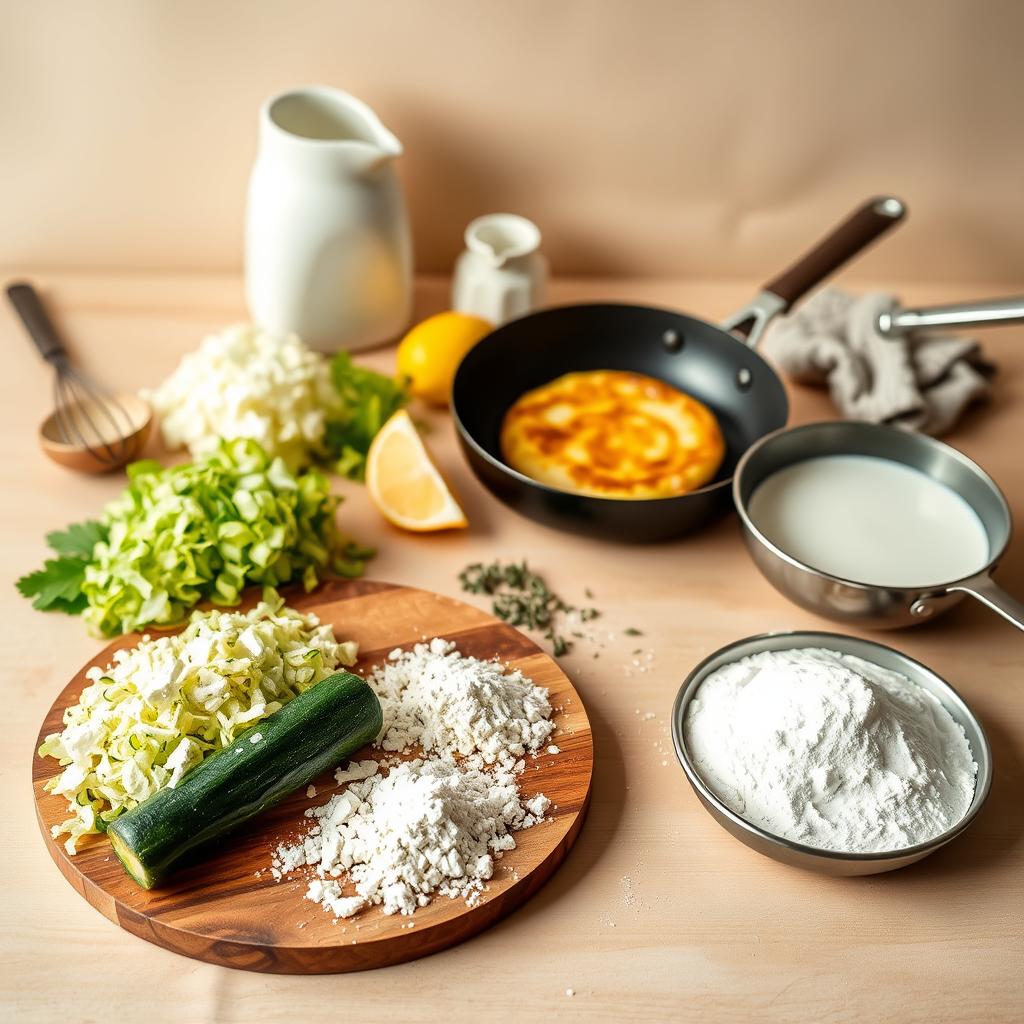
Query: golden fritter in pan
[{"x": 613, "y": 434}]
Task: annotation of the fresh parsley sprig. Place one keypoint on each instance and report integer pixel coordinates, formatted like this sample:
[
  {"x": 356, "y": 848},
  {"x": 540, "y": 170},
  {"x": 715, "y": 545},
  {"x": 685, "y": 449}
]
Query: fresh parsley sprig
[{"x": 58, "y": 585}]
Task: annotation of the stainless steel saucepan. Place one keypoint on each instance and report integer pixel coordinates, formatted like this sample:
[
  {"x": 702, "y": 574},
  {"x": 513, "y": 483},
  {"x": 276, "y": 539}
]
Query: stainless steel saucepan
[{"x": 881, "y": 607}]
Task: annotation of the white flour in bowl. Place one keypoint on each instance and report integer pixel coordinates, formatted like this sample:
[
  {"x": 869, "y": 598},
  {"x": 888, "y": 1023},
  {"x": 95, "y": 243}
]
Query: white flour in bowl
[
  {"x": 831, "y": 751},
  {"x": 434, "y": 824}
]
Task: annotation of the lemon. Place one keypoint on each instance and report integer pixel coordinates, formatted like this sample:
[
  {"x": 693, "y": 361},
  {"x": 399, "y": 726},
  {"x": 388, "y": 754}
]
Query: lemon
[
  {"x": 404, "y": 483},
  {"x": 431, "y": 352}
]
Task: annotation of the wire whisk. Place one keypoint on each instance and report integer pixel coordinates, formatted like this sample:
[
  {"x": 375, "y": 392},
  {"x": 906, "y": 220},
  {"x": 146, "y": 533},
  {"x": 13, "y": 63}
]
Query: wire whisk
[{"x": 87, "y": 416}]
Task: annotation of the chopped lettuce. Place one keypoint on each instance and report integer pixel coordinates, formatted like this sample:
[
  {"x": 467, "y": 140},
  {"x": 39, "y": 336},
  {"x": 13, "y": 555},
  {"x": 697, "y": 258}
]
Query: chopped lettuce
[
  {"x": 162, "y": 706},
  {"x": 199, "y": 531}
]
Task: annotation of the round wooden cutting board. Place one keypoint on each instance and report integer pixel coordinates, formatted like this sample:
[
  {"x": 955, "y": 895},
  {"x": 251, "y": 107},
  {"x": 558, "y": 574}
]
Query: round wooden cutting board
[{"x": 228, "y": 909}]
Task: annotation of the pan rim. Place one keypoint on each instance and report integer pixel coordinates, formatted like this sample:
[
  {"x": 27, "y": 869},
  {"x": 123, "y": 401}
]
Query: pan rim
[{"x": 522, "y": 478}]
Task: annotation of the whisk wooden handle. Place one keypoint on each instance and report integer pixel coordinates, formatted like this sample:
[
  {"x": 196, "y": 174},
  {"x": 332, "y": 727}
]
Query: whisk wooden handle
[{"x": 25, "y": 300}]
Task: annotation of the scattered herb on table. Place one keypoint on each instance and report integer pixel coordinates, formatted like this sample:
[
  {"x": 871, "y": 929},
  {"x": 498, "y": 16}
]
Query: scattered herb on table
[
  {"x": 633, "y": 631},
  {"x": 367, "y": 400},
  {"x": 199, "y": 531},
  {"x": 521, "y": 597}
]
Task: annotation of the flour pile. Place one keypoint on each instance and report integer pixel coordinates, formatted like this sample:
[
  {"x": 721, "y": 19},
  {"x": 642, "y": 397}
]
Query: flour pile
[
  {"x": 434, "y": 824},
  {"x": 437, "y": 699},
  {"x": 830, "y": 750}
]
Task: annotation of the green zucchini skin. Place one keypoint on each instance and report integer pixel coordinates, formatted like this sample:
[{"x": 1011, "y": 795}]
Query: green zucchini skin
[{"x": 313, "y": 732}]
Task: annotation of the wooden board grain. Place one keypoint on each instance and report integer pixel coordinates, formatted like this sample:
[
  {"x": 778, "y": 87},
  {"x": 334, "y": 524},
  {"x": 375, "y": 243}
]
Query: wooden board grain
[{"x": 228, "y": 909}]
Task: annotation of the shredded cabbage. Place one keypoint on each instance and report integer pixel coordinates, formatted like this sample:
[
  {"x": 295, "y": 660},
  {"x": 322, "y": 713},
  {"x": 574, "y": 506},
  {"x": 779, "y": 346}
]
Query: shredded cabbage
[
  {"x": 246, "y": 382},
  {"x": 165, "y": 704}
]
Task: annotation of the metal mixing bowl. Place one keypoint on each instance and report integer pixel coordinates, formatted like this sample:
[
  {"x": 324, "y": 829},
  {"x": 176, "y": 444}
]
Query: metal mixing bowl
[{"x": 830, "y": 862}]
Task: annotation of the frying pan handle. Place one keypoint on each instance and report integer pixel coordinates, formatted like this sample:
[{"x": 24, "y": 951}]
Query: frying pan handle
[
  {"x": 25, "y": 300},
  {"x": 985, "y": 589},
  {"x": 866, "y": 224}
]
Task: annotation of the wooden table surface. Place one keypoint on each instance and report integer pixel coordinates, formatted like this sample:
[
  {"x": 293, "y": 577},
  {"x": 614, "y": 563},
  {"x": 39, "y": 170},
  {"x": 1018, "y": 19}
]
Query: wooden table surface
[{"x": 657, "y": 914}]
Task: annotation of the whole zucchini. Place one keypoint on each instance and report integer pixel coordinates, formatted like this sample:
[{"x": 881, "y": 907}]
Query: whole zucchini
[{"x": 286, "y": 751}]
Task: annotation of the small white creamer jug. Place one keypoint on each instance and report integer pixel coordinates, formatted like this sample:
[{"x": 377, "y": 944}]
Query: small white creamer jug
[
  {"x": 502, "y": 273},
  {"x": 327, "y": 248}
]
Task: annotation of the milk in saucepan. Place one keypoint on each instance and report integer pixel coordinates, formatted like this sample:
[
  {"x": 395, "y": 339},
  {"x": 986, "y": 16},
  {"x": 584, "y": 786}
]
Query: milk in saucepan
[{"x": 870, "y": 520}]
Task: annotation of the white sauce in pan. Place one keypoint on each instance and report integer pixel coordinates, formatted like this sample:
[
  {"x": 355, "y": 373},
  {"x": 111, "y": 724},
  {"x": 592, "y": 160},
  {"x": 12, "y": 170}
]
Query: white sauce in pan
[{"x": 870, "y": 520}]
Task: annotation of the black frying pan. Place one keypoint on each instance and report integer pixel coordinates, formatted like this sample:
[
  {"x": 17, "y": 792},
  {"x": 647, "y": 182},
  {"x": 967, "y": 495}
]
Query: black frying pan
[{"x": 716, "y": 364}]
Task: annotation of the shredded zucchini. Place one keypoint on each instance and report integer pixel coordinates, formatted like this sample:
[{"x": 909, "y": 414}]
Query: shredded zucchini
[{"x": 164, "y": 705}]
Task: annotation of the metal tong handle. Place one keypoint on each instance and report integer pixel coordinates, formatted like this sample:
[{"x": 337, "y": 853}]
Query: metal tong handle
[
  {"x": 865, "y": 225},
  {"x": 983, "y": 313},
  {"x": 26, "y": 302}
]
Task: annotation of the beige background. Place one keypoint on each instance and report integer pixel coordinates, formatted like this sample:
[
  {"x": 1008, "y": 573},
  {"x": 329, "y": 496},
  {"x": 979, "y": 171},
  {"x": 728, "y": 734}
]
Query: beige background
[{"x": 648, "y": 137}]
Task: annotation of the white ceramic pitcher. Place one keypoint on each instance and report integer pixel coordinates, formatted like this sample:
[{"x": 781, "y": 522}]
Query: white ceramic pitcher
[{"x": 327, "y": 248}]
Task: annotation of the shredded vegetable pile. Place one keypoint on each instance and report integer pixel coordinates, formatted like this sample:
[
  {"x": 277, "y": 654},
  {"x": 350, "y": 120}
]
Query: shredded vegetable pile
[
  {"x": 198, "y": 531},
  {"x": 246, "y": 382},
  {"x": 162, "y": 706}
]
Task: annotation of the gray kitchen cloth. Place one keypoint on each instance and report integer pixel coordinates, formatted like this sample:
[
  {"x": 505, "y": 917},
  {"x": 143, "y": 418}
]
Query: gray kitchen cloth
[{"x": 919, "y": 381}]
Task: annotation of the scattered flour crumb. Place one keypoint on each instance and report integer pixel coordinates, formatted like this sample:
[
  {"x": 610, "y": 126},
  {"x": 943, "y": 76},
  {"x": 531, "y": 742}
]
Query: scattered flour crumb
[
  {"x": 554, "y": 749},
  {"x": 329, "y": 895},
  {"x": 355, "y": 771},
  {"x": 311, "y": 791},
  {"x": 256, "y": 737},
  {"x": 570, "y": 992}
]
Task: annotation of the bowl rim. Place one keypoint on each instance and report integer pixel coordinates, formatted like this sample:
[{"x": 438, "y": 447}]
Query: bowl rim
[
  {"x": 693, "y": 680},
  {"x": 748, "y": 524},
  {"x": 522, "y": 478}
]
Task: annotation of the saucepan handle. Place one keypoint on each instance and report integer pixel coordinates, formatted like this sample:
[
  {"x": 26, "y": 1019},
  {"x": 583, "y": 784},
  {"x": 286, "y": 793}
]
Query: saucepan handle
[
  {"x": 985, "y": 589},
  {"x": 984, "y": 313},
  {"x": 866, "y": 224}
]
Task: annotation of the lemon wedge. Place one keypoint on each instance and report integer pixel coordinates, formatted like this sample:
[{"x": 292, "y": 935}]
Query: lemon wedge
[{"x": 404, "y": 483}]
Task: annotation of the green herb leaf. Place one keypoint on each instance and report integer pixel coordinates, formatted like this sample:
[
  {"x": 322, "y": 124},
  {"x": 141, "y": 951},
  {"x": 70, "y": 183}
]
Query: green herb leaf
[
  {"x": 78, "y": 540},
  {"x": 57, "y": 586},
  {"x": 367, "y": 400},
  {"x": 633, "y": 631}
]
